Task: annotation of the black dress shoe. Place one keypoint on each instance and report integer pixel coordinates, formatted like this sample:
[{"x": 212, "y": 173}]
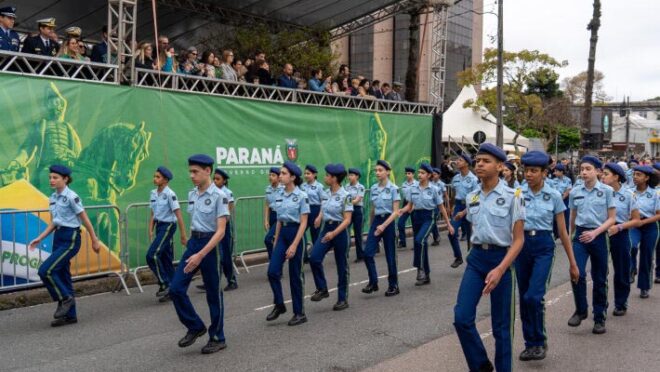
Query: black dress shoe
[
  {"x": 162, "y": 291},
  {"x": 370, "y": 288},
  {"x": 538, "y": 353},
  {"x": 277, "y": 311},
  {"x": 463, "y": 238},
  {"x": 458, "y": 261},
  {"x": 599, "y": 328},
  {"x": 59, "y": 307},
  {"x": 191, "y": 337},
  {"x": 486, "y": 367},
  {"x": 420, "y": 275},
  {"x": 401, "y": 245},
  {"x": 576, "y": 319},
  {"x": 319, "y": 295},
  {"x": 435, "y": 243},
  {"x": 633, "y": 273},
  {"x": 644, "y": 293},
  {"x": 231, "y": 286},
  {"x": 340, "y": 305},
  {"x": 63, "y": 321},
  {"x": 201, "y": 287},
  {"x": 392, "y": 291},
  {"x": 359, "y": 259},
  {"x": 619, "y": 312},
  {"x": 213, "y": 347},
  {"x": 64, "y": 308},
  {"x": 426, "y": 280},
  {"x": 165, "y": 298},
  {"x": 657, "y": 280},
  {"x": 297, "y": 320},
  {"x": 526, "y": 354}
]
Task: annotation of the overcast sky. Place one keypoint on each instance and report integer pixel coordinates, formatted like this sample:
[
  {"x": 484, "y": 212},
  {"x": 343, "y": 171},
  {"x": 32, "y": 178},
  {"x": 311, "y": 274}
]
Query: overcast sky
[{"x": 628, "y": 51}]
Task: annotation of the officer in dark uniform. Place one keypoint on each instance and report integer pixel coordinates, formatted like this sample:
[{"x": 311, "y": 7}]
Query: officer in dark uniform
[
  {"x": 356, "y": 190},
  {"x": 9, "y": 39},
  {"x": 44, "y": 43},
  {"x": 403, "y": 217},
  {"x": 270, "y": 213}
]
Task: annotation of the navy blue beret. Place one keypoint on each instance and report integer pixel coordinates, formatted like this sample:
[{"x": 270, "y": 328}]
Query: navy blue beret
[
  {"x": 490, "y": 149},
  {"x": 560, "y": 167},
  {"x": 384, "y": 164},
  {"x": 60, "y": 169},
  {"x": 311, "y": 168},
  {"x": 644, "y": 169},
  {"x": 335, "y": 169},
  {"x": 616, "y": 169},
  {"x": 510, "y": 165},
  {"x": 437, "y": 170},
  {"x": 593, "y": 160},
  {"x": 467, "y": 158},
  {"x": 221, "y": 172},
  {"x": 355, "y": 171},
  {"x": 410, "y": 169},
  {"x": 293, "y": 168},
  {"x": 426, "y": 167},
  {"x": 656, "y": 166},
  {"x": 202, "y": 160},
  {"x": 535, "y": 159},
  {"x": 275, "y": 170},
  {"x": 8, "y": 11},
  {"x": 165, "y": 172}
]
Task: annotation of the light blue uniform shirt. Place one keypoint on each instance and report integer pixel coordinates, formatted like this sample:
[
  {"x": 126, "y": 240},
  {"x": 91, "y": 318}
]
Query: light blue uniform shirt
[
  {"x": 578, "y": 182},
  {"x": 427, "y": 198},
  {"x": 442, "y": 188},
  {"x": 550, "y": 181},
  {"x": 625, "y": 202},
  {"x": 290, "y": 206},
  {"x": 228, "y": 193},
  {"x": 562, "y": 184},
  {"x": 205, "y": 209},
  {"x": 591, "y": 205},
  {"x": 464, "y": 185},
  {"x": 541, "y": 208},
  {"x": 65, "y": 208},
  {"x": 647, "y": 202},
  {"x": 516, "y": 184},
  {"x": 405, "y": 188},
  {"x": 314, "y": 192},
  {"x": 355, "y": 191},
  {"x": 336, "y": 204},
  {"x": 493, "y": 215},
  {"x": 383, "y": 197},
  {"x": 629, "y": 178},
  {"x": 164, "y": 204},
  {"x": 271, "y": 195}
]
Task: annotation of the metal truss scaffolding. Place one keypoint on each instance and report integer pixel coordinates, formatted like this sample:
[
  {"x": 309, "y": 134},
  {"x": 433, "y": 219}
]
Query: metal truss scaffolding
[
  {"x": 439, "y": 53},
  {"x": 122, "y": 21}
]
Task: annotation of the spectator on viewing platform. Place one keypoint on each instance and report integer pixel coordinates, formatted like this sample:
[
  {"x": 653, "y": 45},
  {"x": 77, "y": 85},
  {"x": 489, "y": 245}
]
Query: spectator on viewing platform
[
  {"x": 206, "y": 65},
  {"x": 9, "y": 39},
  {"x": 163, "y": 44},
  {"x": 343, "y": 86},
  {"x": 375, "y": 89},
  {"x": 143, "y": 56},
  {"x": 190, "y": 66},
  {"x": 344, "y": 73},
  {"x": 386, "y": 89},
  {"x": 166, "y": 60},
  {"x": 45, "y": 43},
  {"x": 395, "y": 94},
  {"x": 253, "y": 66},
  {"x": 286, "y": 80},
  {"x": 263, "y": 74},
  {"x": 362, "y": 92},
  {"x": 366, "y": 84},
  {"x": 240, "y": 70},
  {"x": 70, "y": 50},
  {"x": 315, "y": 84},
  {"x": 100, "y": 50},
  {"x": 82, "y": 48},
  {"x": 217, "y": 63},
  {"x": 228, "y": 67},
  {"x": 355, "y": 84}
]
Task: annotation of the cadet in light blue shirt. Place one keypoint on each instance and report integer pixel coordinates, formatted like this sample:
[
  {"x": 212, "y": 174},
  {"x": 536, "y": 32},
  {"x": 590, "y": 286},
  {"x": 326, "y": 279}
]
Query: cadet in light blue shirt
[
  {"x": 336, "y": 214},
  {"x": 314, "y": 191},
  {"x": 562, "y": 184},
  {"x": 270, "y": 213},
  {"x": 592, "y": 213},
  {"x": 463, "y": 183},
  {"x": 403, "y": 218},
  {"x": 67, "y": 213},
  {"x": 442, "y": 190},
  {"x": 357, "y": 191}
]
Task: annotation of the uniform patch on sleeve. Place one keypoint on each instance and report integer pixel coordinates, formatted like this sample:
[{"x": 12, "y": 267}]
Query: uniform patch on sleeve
[
  {"x": 225, "y": 201},
  {"x": 173, "y": 197},
  {"x": 77, "y": 200}
]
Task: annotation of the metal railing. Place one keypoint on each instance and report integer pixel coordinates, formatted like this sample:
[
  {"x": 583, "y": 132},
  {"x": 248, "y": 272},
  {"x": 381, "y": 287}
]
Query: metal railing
[
  {"x": 20, "y": 265},
  {"x": 59, "y": 68}
]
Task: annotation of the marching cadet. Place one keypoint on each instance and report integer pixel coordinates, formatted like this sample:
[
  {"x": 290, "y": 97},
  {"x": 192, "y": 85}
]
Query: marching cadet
[
  {"x": 385, "y": 207},
  {"x": 442, "y": 190},
  {"x": 509, "y": 175},
  {"x": 45, "y": 43},
  {"x": 497, "y": 213},
  {"x": 165, "y": 214},
  {"x": 67, "y": 214},
  {"x": 648, "y": 202},
  {"x": 593, "y": 212},
  {"x": 563, "y": 184},
  {"x": 356, "y": 190},
  {"x": 270, "y": 213},
  {"x": 423, "y": 200},
  {"x": 336, "y": 215},
  {"x": 403, "y": 218},
  {"x": 221, "y": 179},
  {"x": 209, "y": 212},
  {"x": 9, "y": 39},
  {"x": 292, "y": 207},
  {"x": 464, "y": 182},
  {"x": 314, "y": 190},
  {"x": 627, "y": 217},
  {"x": 543, "y": 206}
]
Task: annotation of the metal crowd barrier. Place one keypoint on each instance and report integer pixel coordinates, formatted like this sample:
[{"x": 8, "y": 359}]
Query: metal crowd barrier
[
  {"x": 19, "y": 268},
  {"x": 248, "y": 225}
]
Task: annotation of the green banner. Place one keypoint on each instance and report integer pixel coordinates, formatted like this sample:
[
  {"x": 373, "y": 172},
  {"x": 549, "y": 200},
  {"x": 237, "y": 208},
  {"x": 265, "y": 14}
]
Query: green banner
[{"x": 114, "y": 137}]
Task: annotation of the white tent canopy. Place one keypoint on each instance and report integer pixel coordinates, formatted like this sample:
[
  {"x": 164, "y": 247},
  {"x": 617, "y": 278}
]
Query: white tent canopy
[{"x": 460, "y": 123}]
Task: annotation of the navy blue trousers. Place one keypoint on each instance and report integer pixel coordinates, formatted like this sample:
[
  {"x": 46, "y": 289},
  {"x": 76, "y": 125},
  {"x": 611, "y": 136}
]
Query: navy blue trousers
[
  {"x": 620, "y": 252},
  {"x": 357, "y": 222},
  {"x": 227, "y": 255},
  {"x": 648, "y": 240},
  {"x": 211, "y": 273},
  {"x": 340, "y": 245},
  {"x": 296, "y": 274},
  {"x": 270, "y": 235},
  {"x": 479, "y": 263},
  {"x": 533, "y": 272},
  {"x": 597, "y": 251},
  {"x": 434, "y": 226},
  {"x": 388, "y": 237},
  {"x": 161, "y": 253},
  {"x": 422, "y": 221},
  {"x": 401, "y": 227},
  {"x": 465, "y": 226},
  {"x": 635, "y": 238},
  {"x": 55, "y": 271},
  {"x": 314, "y": 211}
]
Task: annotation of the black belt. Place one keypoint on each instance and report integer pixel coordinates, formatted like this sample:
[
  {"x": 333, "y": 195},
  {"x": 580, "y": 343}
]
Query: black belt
[
  {"x": 536, "y": 232},
  {"x": 66, "y": 228},
  {"x": 285, "y": 224},
  {"x": 201, "y": 234},
  {"x": 488, "y": 247},
  {"x": 385, "y": 215},
  {"x": 157, "y": 222},
  {"x": 459, "y": 201},
  {"x": 332, "y": 222},
  {"x": 355, "y": 207}
]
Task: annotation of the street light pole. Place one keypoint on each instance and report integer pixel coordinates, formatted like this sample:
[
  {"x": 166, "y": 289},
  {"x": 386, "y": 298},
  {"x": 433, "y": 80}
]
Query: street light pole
[{"x": 500, "y": 79}]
